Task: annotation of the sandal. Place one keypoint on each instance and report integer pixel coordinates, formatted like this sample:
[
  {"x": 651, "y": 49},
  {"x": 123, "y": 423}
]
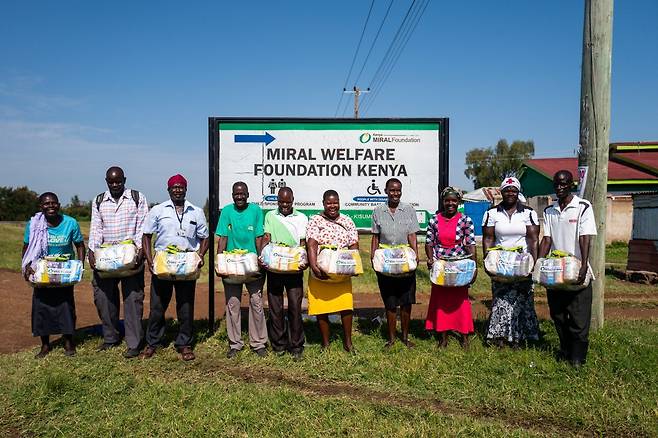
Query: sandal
[{"x": 187, "y": 354}]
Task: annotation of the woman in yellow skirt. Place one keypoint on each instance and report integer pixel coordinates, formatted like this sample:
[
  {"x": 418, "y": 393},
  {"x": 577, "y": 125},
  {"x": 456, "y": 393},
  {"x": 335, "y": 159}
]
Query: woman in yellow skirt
[{"x": 330, "y": 228}]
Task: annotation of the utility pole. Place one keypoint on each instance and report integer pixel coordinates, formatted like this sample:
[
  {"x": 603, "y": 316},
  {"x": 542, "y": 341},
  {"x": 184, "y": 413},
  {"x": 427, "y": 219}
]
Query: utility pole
[
  {"x": 357, "y": 92},
  {"x": 595, "y": 132}
]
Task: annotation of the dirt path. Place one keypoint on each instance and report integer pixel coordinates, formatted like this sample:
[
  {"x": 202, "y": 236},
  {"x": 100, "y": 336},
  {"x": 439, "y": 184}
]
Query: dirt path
[{"x": 16, "y": 299}]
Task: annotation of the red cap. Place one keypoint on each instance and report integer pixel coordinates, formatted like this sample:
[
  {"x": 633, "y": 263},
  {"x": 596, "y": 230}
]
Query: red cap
[{"x": 176, "y": 179}]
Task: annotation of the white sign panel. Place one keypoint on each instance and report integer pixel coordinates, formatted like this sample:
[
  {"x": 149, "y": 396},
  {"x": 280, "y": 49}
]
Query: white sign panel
[{"x": 355, "y": 159}]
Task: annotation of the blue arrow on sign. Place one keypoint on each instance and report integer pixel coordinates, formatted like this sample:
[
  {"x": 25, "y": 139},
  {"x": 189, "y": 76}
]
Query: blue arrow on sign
[{"x": 246, "y": 138}]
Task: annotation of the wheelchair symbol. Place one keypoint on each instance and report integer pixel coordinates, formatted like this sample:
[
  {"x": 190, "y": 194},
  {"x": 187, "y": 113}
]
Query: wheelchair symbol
[{"x": 373, "y": 189}]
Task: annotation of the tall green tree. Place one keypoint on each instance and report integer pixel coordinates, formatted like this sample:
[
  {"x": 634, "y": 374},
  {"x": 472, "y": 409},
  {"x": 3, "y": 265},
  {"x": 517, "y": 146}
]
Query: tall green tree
[
  {"x": 17, "y": 204},
  {"x": 78, "y": 209},
  {"x": 487, "y": 167}
]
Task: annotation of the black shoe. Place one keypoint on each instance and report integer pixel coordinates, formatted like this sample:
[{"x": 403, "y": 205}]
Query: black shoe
[
  {"x": 45, "y": 349},
  {"x": 576, "y": 364},
  {"x": 107, "y": 346},
  {"x": 131, "y": 353},
  {"x": 232, "y": 353},
  {"x": 261, "y": 352},
  {"x": 279, "y": 352},
  {"x": 297, "y": 356}
]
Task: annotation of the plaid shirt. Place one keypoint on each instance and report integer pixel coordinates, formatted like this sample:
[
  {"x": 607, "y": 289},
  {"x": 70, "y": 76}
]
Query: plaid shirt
[
  {"x": 465, "y": 235},
  {"x": 115, "y": 221}
]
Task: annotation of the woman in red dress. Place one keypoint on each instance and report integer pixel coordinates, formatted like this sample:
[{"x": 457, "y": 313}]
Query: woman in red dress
[{"x": 450, "y": 234}]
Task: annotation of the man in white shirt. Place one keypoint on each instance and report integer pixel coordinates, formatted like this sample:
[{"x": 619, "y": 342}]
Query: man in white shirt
[{"x": 568, "y": 225}]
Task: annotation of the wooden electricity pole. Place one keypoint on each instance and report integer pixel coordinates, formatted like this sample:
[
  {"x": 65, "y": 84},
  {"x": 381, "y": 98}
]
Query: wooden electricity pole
[
  {"x": 357, "y": 92},
  {"x": 594, "y": 133}
]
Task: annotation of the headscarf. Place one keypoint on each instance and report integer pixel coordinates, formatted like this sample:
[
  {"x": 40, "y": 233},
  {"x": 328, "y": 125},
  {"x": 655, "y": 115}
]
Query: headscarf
[
  {"x": 452, "y": 191},
  {"x": 176, "y": 179},
  {"x": 37, "y": 245}
]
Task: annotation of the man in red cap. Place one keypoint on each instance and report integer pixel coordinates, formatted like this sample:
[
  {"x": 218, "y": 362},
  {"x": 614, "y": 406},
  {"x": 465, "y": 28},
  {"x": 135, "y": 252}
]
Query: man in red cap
[
  {"x": 174, "y": 222},
  {"x": 118, "y": 215}
]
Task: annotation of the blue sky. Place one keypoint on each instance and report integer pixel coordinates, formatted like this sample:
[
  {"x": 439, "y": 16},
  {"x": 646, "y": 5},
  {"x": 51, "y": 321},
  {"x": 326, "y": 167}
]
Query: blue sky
[{"x": 85, "y": 85}]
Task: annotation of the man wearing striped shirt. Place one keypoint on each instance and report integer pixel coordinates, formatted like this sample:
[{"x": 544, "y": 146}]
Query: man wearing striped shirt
[{"x": 117, "y": 215}]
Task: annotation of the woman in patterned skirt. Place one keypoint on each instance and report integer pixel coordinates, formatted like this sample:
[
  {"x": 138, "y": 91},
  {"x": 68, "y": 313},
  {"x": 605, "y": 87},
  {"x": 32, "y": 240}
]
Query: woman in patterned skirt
[
  {"x": 450, "y": 234},
  {"x": 330, "y": 228},
  {"x": 511, "y": 224}
]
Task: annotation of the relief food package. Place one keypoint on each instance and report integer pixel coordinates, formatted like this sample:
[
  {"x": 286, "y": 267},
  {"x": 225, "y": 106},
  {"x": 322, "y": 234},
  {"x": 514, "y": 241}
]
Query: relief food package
[
  {"x": 117, "y": 260},
  {"x": 238, "y": 265},
  {"x": 54, "y": 271},
  {"x": 396, "y": 260},
  {"x": 283, "y": 258},
  {"x": 175, "y": 264},
  {"x": 339, "y": 263},
  {"x": 452, "y": 273},
  {"x": 508, "y": 264},
  {"x": 559, "y": 271}
]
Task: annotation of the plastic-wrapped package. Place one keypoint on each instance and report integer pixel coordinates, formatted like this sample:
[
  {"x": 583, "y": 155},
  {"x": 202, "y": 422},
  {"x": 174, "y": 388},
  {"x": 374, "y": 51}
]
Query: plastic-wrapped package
[
  {"x": 53, "y": 271},
  {"x": 283, "y": 259},
  {"x": 508, "y": 265},
  {"x": 174, "y": 264},
  {"x": 394, "y": 260},
  {"x": 339, "y": 263},
  {"x": 239, "y": 265},
  {"x": 452, "y": 273},
  {"x": 559, "y": 271},
  {"x": 117, "y": 260}
]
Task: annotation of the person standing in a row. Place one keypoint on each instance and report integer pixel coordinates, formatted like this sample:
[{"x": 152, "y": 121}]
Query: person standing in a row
[
  {"x": 117, "y": 215},
  {"x": 395, "y": 223},
  {"x": 568, "y": 226},
  {"x": 174, "y": 222},
  {"x": 53, "y": 308},
  {"x": 511, "y": 224},
  {"x": 241, "y": 227},
  {"x": 286, "y": 226}
]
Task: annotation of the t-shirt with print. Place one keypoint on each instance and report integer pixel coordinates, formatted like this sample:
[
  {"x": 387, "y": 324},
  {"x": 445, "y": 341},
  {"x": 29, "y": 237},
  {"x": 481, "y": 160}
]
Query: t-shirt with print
[
  {"x": 60, "y": 238},
  {"x": 288, "y": 230},
  {"x": 241, "y": 228},
  {"x": 510, "y": 231}
]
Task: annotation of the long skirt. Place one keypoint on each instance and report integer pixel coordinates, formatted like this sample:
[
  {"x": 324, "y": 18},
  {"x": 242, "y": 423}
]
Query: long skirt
[
  {"x": 53, "y": 311},
  {"x": 513, "y": 316},
  {"x": 326, "y": 297},
  {"x": 449, "y": 309}
]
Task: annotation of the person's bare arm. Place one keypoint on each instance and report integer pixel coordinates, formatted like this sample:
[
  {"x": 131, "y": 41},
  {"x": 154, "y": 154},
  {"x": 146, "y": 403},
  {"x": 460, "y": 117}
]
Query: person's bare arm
[
  {"x": 203, "y": 249},
  {"x": 28, "y": 271},
  {"x": 532, "y": 240},
  {"x": 544, "y": 247},
  {"x": 146, "y": 248},
  {"x": 80, "y": 251},
  {"x": 412, "y": 240},
  {"x": 221, "y": 244},
  {"x": 312, "y": 252},
  {"x": 583, "y": 241},
  {"x": 374, "y": 244},
  {"x": 430, "y": 255},
  {"x": 472, "y": 251}
]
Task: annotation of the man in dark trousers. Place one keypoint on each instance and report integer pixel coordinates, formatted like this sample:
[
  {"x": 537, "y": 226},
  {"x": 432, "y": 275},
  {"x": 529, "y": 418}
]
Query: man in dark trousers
[
  {"x": 568, "y": 226},
  {"x": 117, "y": 215}
]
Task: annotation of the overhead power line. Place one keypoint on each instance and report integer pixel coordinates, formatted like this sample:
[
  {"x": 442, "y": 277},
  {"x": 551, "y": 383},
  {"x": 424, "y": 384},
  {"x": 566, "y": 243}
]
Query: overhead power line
[
  {"x": 374, "y": 41},
  {"x": 356, "y": 52}
]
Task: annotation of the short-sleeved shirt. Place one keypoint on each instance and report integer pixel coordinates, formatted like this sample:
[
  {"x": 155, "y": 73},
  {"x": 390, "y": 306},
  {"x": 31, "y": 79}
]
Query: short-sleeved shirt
[
  {"x": 241, "y": 228},
  {"x": 60, "y": 238},
  {"x": 186, "y": 230},
  {"x": 340, "y": 232},
  {"x": 510, "y": 231},
  {"x": 289, "y": 230},
  {"x": 394, "y": 228},
  {"x": 565, "y": 226},
  {"x": 447, "y": 248}
]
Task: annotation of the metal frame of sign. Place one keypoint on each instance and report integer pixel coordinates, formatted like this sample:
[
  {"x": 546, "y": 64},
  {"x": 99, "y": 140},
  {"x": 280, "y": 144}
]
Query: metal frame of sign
[{"x": 213, "y": 171}]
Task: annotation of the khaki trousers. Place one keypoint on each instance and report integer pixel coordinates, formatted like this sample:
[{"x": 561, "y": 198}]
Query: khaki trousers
[{"x": 257, "y": 325}]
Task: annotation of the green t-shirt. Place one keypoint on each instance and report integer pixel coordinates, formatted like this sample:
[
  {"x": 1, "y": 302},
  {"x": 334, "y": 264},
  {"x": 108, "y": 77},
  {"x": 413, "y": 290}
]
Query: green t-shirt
[{"x": 241, "y": 227}]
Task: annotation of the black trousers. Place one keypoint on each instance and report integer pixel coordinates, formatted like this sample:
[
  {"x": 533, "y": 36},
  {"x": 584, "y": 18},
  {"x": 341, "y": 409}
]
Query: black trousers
[
  {"x": 280, "y": 338},
  {"x": 571, "y": 313},
  {"x": 161, "y": 292}
]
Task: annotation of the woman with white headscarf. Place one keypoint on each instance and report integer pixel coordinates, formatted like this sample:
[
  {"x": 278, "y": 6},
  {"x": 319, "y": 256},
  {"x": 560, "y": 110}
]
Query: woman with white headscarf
[{"x": 511, "y": 224}]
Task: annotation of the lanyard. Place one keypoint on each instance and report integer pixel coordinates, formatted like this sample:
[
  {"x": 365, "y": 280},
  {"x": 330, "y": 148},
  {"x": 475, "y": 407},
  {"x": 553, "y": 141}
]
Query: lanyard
[{"x": 180, "y": 218}]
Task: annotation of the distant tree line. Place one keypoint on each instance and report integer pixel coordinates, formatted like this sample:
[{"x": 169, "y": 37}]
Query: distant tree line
[
  {"x": 21, "y": 203},
  {"x": 487, "y": 167}
]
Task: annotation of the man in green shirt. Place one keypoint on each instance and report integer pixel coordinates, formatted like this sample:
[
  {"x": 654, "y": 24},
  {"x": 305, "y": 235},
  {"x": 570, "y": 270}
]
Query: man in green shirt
[{"x": 241, "y": 227}]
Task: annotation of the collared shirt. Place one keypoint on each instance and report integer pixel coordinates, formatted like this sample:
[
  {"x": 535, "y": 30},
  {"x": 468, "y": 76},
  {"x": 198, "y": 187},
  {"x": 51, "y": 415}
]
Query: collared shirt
[
  {"x": 185, "y": 230},
  {"x": 241, "y": 228},
  {"x": 289, "y": 229},
  {"x": 564, "y": 227},
  {"x": 114, "y": 221},
  {"x": 394, "y": 228},
  {"x": 510, "y": 231}
]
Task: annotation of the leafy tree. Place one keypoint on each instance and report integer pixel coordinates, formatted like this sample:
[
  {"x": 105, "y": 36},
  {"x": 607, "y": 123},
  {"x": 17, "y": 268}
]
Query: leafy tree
[
  {"x": 78, "y": 209},
  {"x": 17, "y": 204},
  {"x": 488, "y": 166}
]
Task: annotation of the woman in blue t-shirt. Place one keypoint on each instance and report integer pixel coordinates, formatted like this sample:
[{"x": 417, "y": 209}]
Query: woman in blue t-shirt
[{"x": 53, "y": 309}]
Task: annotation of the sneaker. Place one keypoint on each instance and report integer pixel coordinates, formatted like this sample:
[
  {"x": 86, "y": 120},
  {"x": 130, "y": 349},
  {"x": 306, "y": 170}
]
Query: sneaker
[
  {"x": 107, "y": 346},
  {"x": 232, "y": 353},
  {"x": 131, "y": 353},
  {"x": 261, "y": 352}
]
